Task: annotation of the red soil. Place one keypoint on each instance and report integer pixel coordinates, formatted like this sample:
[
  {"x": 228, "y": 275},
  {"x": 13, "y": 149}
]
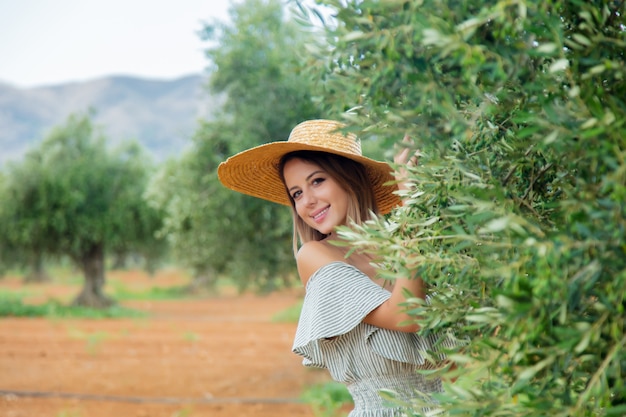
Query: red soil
[{"x": 216, "y": 356}]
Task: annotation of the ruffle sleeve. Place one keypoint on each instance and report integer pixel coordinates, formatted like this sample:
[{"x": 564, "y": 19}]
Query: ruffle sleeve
[{"x": 338, "y": 297}]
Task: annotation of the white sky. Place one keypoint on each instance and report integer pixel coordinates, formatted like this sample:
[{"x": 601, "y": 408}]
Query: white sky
[{"x": 52, "y": 41}]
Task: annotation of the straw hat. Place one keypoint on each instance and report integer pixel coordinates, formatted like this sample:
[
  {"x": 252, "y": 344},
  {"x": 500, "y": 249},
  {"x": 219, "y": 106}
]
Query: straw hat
[{"x": 255, "y": 171}]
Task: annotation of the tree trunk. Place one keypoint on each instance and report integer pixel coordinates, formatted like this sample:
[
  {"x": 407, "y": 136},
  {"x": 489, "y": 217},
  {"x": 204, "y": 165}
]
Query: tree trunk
[{"x": 92, "y": 294}]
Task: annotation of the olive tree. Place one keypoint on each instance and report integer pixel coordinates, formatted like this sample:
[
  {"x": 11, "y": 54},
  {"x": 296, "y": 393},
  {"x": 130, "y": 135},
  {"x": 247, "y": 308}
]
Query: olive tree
[
  {"x": 516, "y": 217},
  {"x": 72, "y": 196}
]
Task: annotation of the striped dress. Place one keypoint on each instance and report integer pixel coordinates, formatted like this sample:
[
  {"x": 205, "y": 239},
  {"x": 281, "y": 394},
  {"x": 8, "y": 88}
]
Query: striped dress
[{"x": 331, "y": 334}]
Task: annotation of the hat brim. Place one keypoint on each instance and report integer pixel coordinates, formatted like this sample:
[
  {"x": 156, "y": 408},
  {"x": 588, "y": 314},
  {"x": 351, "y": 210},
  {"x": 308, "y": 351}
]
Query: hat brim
[{"x": 254, "y": 172}]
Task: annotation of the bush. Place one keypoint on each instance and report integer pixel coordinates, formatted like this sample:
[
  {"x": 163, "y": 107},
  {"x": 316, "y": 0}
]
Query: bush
[
  {"x": 328, "y": 400},
  {"x": 517, "y": 218}
]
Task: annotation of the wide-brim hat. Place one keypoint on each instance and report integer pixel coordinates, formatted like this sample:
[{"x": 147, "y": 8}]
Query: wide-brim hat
[{"x": 255, "y": 171}]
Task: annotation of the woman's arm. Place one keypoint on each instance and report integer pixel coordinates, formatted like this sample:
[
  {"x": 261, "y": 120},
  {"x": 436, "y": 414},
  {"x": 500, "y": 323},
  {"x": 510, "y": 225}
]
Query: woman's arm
[{"x": 390, "y": 314}]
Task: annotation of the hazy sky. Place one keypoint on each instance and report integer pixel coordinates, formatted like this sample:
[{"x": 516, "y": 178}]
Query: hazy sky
[{"x": 51, "y": 41}]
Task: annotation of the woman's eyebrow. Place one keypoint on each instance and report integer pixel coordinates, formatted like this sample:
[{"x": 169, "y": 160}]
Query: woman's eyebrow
[{"x": 319, "y": 171}]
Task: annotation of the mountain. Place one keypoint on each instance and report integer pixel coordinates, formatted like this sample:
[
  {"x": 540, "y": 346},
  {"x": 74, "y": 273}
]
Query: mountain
[{"x": 161, "y": 114}]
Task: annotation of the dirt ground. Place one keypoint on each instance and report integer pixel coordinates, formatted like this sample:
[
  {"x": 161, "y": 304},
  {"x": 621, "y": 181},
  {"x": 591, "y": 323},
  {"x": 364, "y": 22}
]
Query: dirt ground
[{"x": 214, "y": 356}]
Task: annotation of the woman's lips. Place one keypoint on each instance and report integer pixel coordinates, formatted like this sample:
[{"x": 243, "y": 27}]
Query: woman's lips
[{"x": 319, "y": 216}]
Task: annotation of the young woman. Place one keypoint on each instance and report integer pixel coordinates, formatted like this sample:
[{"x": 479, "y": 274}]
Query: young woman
[{"x": 351, "y": 322}]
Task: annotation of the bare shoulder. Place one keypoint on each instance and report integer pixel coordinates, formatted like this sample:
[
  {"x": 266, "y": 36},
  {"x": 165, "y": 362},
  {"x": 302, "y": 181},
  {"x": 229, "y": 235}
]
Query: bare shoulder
[{"x": 314, "y": 255}]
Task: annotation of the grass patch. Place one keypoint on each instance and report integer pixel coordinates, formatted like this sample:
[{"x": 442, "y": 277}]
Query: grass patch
[
  {"x": 13, "y": 306},
  {"x": 19, "y": 293},
  {"x": 93, "y": 340},
  {"x": 328, "y": 400},
  {"x": 120, "y": 292},
  {"x": 191, "y": 337},
  {"x": 290, "y": 315},
  {"x": 68, "y": 413}
]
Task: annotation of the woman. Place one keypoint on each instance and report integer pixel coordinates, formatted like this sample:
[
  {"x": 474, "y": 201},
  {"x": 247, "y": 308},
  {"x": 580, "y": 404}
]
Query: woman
[{"x": 350, "y": 323}]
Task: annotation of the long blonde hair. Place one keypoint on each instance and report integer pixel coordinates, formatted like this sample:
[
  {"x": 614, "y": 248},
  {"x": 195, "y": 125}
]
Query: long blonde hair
[{"x": 350, "y": 176}]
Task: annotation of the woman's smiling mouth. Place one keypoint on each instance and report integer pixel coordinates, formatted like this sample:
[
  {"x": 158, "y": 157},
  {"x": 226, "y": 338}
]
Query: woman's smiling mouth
[{"x": 319, "y": 215}]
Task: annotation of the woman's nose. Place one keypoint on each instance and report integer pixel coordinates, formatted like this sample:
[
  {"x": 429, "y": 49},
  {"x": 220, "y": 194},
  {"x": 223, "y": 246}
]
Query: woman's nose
[{"x": 309, "y": 199}]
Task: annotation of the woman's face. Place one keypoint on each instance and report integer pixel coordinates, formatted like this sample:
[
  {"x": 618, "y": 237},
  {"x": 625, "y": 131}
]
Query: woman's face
[{"x": 319, "y": 199}]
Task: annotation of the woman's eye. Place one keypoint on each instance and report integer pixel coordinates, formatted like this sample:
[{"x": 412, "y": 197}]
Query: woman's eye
[
  {"x": 317, "y": 181},
  {"x": 296, "y": 194}
]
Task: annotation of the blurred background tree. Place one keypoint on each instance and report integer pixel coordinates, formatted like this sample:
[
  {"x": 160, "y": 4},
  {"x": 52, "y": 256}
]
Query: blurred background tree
[
  {"x": 73, "y": 197},
  {"x": 213, "y": 230},
  {"x": 517, "y": 217}
]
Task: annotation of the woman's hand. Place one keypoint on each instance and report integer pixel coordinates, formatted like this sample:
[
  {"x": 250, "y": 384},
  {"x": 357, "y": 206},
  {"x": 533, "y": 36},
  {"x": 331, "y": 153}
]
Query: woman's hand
[{"x": 403, "y": 160}]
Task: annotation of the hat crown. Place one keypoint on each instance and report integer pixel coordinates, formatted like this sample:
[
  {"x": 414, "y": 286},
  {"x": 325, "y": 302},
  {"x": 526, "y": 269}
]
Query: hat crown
[{"x": 326, "y": 134}]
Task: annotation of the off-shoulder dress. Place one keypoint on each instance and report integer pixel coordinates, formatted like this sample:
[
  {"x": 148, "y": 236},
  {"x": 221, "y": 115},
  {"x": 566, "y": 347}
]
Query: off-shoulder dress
[{"x": 331, "y": 334}]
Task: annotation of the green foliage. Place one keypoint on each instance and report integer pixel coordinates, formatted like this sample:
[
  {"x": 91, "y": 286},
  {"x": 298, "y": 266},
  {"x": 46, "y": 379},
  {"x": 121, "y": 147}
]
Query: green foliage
[
  {"x": 72, "y": 192},
  {"x": 133, "y": 222},
  {"x": 9, "y": 256},
  {"x": 213, "y": 230},
  {"x": 257, "y": 68},
  {"x": 153, "y": 293},
  {"x": 72, "y": 196},
  {"x": 517, "y": 216},
  {"x": 290, "y": 315},
  {"x": 11, "y": 305},
  {"x": 327, "y": 400}
]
